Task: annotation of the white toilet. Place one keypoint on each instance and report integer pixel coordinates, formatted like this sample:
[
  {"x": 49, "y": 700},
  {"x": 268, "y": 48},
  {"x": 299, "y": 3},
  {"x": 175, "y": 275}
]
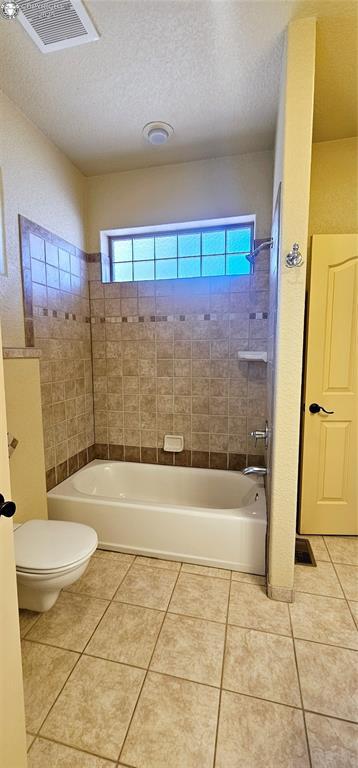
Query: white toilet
[{"x": 50, "y": 555}]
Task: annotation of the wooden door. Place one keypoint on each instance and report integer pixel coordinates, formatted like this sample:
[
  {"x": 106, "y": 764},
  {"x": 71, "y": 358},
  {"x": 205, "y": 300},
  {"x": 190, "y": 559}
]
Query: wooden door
[
  {"x": 12, "y": 721},
  {"x": 329, "y": 477}
]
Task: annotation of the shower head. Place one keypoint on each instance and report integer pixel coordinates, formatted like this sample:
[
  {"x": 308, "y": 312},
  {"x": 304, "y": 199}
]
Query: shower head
[{"x": 251, "y": 257}]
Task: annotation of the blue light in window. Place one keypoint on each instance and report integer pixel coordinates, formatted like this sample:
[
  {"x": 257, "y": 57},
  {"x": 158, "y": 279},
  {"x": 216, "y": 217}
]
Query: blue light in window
[
  {"x": 189, "y": 245},
  {"x": 238, "y": 240},
  {"x": 213, "y": 242},
  {"x": 122, "y": 272},
  {"x": 213, "y": 266},
  {"x": 189, "y": 267},
  {"x": 144, "y": 270},
  {"x": 237, "y": 265},
  {"x": 122, "y": 250},
  {"x": 166, "y": 269},
  {"x": 143, "y": 248},
  {"x": 166, "y": 247}
]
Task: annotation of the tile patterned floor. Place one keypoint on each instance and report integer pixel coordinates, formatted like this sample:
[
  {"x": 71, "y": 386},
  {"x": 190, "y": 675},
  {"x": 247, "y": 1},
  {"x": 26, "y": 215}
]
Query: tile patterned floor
[{"x": 148, "y": 663}]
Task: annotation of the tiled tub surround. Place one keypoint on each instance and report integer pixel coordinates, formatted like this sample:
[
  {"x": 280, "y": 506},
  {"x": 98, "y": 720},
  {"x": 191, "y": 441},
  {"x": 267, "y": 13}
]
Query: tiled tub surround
[
  {"x": 165, "y": 361},
  {"x": 189, "y": 667},
  {"x": 163, "y": 357},
  {"x": 57, "y": 322}
]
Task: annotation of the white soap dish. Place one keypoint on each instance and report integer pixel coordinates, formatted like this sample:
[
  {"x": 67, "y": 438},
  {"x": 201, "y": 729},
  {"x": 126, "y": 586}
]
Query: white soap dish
[
  {"x": 173, "y": 443},
  {"x": 252, "y": 357}
]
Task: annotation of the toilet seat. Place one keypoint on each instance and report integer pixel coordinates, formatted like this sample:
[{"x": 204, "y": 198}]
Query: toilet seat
[{"x": 52, "y": 546}]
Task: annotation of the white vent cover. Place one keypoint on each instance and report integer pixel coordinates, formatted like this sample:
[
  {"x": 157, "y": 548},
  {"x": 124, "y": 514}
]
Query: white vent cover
[{"x": 56, "y": 24}]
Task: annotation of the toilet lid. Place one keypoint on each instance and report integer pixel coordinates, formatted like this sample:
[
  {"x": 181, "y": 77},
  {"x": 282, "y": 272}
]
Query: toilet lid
[{"x": 45, "y": 545}]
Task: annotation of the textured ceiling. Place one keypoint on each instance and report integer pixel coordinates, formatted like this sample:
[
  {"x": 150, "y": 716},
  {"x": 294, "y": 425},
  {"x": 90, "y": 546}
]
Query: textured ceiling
[{"x": 210, "y": 69}]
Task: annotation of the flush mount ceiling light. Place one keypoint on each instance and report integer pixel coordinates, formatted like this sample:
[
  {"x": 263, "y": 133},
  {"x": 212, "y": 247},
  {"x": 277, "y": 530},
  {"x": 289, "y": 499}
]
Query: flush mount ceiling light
[
  {"x": 157, "y": 133},
  {"x": 9, "y": 10}
]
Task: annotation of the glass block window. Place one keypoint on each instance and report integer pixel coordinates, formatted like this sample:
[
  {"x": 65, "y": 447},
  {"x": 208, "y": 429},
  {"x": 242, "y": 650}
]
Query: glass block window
[{"x": 206, "y": 252}]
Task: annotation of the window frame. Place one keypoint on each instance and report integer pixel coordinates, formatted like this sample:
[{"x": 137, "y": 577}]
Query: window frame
[{"x": 177, "y": 230}]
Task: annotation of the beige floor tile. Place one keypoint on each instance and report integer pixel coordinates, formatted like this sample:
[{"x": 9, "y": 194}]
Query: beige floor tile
[
  {"x": 102, "y": 577},
  {"x": 156, "y": 562},
  {"x": 249, "y": 578},
  {"x": 329, "y": 678},
  {"x": 121, "y": 558},
  {"x": 29, "y": 740},
  {"x": 190, "y": 648},
  {"x": 354, "y": 608},
  {"x": 94, "y": 709},
  {"x": 27, "y": 620},
  {"x": 174, "y": 725},
  {"x": 348, "y": 576},
  {"x": 45, "y": 670},
  {"x": 250, "y": 607},
  {"x": 206, "y": 570},
  {"x": 333, "y": 743},
  {"x": 319, "y": 548},
  {"x": 321, "y": 580},
  {"x": 259, "y": 734},
  {"x": 323, "y": 619},
  {"x": 48, "y": 754},
  {"x": 200, "y": 596},
  {"x": 70, "y": 623},
  {"x": 147, "y": 586},
  {"x": 343, "y": 549},
  {"x": 127, "y": 634},
  {"x": 262, "y": 665}
]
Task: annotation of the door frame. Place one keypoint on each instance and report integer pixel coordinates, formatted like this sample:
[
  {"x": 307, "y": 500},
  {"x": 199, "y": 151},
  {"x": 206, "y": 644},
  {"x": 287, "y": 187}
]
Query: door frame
[{"x": 12, "y": 727}]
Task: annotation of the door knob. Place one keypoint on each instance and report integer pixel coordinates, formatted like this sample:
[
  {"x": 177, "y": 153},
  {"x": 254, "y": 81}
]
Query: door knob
[
  {"x": 315, "y": 408},
  {"x": 7, "y": 508}
]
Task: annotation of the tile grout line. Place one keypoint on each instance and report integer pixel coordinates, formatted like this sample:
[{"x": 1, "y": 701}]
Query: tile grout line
[
  {"x": 38, "y": 734},
  {"x": 330, "y": 717},
  {"x": 345, "y": 597},
  {"x": 186, "y": 679},
  {"x": 222, "y": 674},
  {"x": 165, "y": 613},
  {"x": 22, "y": 637},
  {"x": 80, "y": 654},
  {"x": 148, "y": 667},
  {"x": 300, "y": 690},
  {"x": 80, "y": 750}
]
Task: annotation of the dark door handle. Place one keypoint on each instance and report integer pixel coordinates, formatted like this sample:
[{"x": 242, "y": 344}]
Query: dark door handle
[
  {"x": 7, "y": 508},
  {"x": 315, "y": 408}
]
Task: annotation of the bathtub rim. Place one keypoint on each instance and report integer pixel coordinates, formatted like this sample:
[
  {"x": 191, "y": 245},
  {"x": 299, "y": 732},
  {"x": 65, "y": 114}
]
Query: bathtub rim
[{"x": 256, "y": 510}]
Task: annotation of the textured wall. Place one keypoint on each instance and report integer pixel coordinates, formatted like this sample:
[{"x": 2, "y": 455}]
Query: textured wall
[
  {"x": 165, "y": 361},
  {"x": 292, "y": 168},
  {"x": 38, "y": 182},
  {"x": 57, "y": 322},
  {"x": 204, "y": 189},
  {"x": 24, "y": 421},
  {"x": 334, "y": 189}
]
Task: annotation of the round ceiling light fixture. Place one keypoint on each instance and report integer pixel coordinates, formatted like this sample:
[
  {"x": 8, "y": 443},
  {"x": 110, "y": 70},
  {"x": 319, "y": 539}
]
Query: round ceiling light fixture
[
  {"x": 157, "y": 133},
  {"x": 9, "y": 10}
]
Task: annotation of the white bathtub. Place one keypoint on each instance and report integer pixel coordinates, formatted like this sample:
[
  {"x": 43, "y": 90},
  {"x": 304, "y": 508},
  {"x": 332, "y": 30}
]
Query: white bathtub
[{"x": 209, "y": 517}]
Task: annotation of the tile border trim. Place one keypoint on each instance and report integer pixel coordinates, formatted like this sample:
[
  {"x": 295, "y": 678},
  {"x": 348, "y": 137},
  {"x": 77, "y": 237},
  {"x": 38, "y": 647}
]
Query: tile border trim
[
  {"x": 233, "y": 462},
  {"x": 11, "y": 353}
]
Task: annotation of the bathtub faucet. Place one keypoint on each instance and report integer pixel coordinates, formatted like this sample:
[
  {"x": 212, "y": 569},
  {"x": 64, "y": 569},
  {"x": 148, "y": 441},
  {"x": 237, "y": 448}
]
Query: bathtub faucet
[{"x": 254, "y": 471}]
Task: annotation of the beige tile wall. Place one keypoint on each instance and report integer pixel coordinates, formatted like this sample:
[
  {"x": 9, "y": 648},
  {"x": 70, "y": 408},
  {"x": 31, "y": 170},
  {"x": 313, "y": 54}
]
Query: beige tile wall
[
  {"x": 124, "y": 364},
  {"x": 165, "y": 361},
  {"x": 57, "y": 320}
]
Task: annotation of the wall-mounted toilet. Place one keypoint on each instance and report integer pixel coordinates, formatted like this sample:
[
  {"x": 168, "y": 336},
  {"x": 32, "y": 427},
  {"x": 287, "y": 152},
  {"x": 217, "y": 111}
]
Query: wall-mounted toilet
[{"x": 50, "y": 555}]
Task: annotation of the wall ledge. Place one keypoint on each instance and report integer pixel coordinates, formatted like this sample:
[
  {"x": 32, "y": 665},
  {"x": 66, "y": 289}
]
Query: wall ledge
[{"x": 20, "y": 352}]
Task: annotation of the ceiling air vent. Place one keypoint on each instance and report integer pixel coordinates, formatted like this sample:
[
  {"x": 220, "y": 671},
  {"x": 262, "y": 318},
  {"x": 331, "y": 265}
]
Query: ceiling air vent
[{"x": 56, "y": 24}]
